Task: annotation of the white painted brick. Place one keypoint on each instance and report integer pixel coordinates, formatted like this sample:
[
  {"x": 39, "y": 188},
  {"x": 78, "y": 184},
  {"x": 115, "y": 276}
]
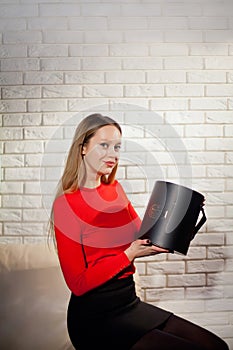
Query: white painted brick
[
  {"x": 127, "y": 23},
  {"x": 164, "y": 131},
  {"x": 101, "y": 63},
  {"x": 221, "y": 305},
  {"x": 18, "y": 92},
  {"x": 60, "y": 91},
  {"x": 181, "y": 36},
  {"x": 19, "y": 201},
  {"x": 103, "y": 91},
  {"x": 94, "y": 104},
  {"x": 168, "y": 49},
  {"x": 204, "y": 131},
  {"x": 18, "y": 10},
  {"x": 133, "y": 186},
  {"x": 164, "y": 22},
  {"x": 229, "y": 265},
  {"x": 16, "y": 24},
  {"x": 22, "y": 37},
  {"x": 10, "y": 133},
  {"x": 20, "y": 64},
  {"x": 229, "y": 209},
  {"x": 106, "y": 37},
  {"x": 148, "y": 90},
  {"x": 152, "y": 281},
  {"x": 165, "y": 158},
  {"x": 191, "y": 144},
  {"x": 133, "y": 50},
  {"x": 206, "y": 77},
  {"x": 32, "y": 187},
  {"x": 219, "y": 90},
  {"x": 186, "y": 280},
  {"x": 184, "y": 90},
  {"x": 23, "y": 146},
  {"x": 22, "y": 229},
  {"x": 11, "y": 187},
  {"x": 43, "y": 23},
  {"x": 218, "y": 36},
  {"x": 7, "y": 51},
  {"x": 47, "y": 105},
  {"x": 181, "y": 9},
  {"x": 59, "y": 10},
  {"x": 206, "y": 157},
  {"x": 33, "y": 159},
  {"x": 228, "y": 131},
  {"x": 53, "y": 173},
  {"x": 165, "y": 104},
  {"x": 219, "y": 62},
  {"x": 223, "y": 171},
  {"x": 128, "y": 104},
  {"x": 106, "y": 9},
  {"x": 143, "y": 36},
  {"x": 88, "y": 23},
  {"x": 183, "y": 63},
  {"x": 208, "y": 49},
  {"x": 10, "y": 214},
  {"x": 219, "y": 144},
  {"x": 166, "y": 267},
  {"x": 141, "y": 268},
  {"x": 204, "y": 292},
  {"x": 13, "y": 106},
  {"x": 125, "y": 76},
  {"x": 22, "y": 174},
  {"x": 11, "y": 78},
  {"x": 43, "y": 78},
  {"x": 95, "y": 50},
  {"x": 209, "y": 239},
  {"x": 43, "y": 132},
  {"x": 208, "y": 23},
  {"x": 205, "y": 266},
  {"x": 169, "y": 76},
  {"x": 189, "y": 117},
  {"x": 68, "y": 63},
  {"x": 38, "y": 215},
  {"x": 59, "y": 118},
  {"x": 214, "y": 279},
  {"x": 164, "y": 294},
  {"x": 208, "y": 103},
  {"x": 62, "y": 37},
  {"x": 219, "y": 9},
  {"x": 20, "y": 120},
  {"x": 46, "y": 50},
  {"x": 83, "y": 77},
  {"x": 12, "y": 161},
  {"x": 141, "y": 10},
  {"x": 218, "y": 117},
  {"x": 144, "y": 118}
]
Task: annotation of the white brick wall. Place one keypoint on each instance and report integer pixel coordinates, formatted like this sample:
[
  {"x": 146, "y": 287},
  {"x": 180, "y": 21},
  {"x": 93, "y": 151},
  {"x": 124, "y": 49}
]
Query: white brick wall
[{"x": 164, "y": 69}]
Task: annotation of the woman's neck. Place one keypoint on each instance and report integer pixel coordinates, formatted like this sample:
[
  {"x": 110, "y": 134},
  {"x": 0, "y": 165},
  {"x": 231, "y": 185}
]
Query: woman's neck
[{"x": 92, "y": 183}]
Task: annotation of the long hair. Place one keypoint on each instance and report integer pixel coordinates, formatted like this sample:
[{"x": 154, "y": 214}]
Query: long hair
[{"x": 74, "y": 172}]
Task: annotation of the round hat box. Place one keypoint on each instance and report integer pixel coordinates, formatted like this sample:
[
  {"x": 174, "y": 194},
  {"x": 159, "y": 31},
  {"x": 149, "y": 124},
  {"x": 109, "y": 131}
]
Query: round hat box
[{"x": 170, "y": 219}]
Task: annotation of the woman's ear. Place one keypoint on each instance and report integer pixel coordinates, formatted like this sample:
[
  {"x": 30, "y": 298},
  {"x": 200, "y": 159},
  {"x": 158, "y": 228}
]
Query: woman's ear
[{"x": 84, "y": 149}]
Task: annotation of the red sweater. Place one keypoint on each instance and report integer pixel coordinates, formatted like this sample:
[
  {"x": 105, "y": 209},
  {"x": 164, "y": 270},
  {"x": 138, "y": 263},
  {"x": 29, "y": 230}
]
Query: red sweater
[{"x": 104, "y": 221}]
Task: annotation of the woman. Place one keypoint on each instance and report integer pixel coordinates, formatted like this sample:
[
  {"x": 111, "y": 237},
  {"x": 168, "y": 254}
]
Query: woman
[{"x": 96, "y": 231}]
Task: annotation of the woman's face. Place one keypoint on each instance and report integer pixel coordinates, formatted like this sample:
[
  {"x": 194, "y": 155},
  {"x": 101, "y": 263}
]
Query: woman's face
[{"x": 101, "y": 153}]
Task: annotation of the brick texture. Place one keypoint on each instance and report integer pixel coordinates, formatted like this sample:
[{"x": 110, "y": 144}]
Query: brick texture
[{"x": 164, "y": 70}]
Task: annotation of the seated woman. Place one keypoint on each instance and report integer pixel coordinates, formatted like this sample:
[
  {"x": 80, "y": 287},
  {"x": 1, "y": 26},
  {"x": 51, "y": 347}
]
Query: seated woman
[{"x": 96, "y": 228}]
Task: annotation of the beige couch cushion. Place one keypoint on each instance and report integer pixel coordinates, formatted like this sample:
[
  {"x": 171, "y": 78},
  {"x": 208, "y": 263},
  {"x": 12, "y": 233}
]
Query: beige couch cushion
[{"x": 34, "y": 299}]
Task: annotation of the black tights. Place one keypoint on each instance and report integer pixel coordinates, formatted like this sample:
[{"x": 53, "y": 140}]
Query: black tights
[{"x": 180, "y": 334}]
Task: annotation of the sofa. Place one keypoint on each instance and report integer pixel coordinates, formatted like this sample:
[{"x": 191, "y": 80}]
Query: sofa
[{"x": 34, "y": 299}]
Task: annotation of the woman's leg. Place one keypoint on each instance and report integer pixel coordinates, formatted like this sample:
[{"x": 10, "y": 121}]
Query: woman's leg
[
  {"x": 194, "y": 333},
  {"x": 180, "y": 334}
]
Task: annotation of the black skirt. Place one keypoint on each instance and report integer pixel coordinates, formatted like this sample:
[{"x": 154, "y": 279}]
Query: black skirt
[{"x": 111, "y": 317}]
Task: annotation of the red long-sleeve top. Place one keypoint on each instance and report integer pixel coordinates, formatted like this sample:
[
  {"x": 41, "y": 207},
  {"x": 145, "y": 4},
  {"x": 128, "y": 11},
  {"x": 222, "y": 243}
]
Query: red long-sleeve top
[{"x": 93, "y": 227}]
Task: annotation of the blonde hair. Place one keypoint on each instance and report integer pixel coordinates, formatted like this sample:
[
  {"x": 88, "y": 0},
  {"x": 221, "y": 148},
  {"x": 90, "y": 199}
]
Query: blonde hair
[{"x": 74, "y": 173}]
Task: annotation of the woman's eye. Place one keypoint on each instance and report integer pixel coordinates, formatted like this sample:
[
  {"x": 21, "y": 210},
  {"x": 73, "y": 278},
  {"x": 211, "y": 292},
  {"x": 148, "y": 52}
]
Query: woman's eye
[
  {"x": 104, "y": 145},
  {"x": 117, "y": 148}
]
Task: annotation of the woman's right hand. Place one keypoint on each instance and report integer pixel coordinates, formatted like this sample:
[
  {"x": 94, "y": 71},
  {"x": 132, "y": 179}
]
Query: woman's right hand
[{"x": 143, "y": 247}]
